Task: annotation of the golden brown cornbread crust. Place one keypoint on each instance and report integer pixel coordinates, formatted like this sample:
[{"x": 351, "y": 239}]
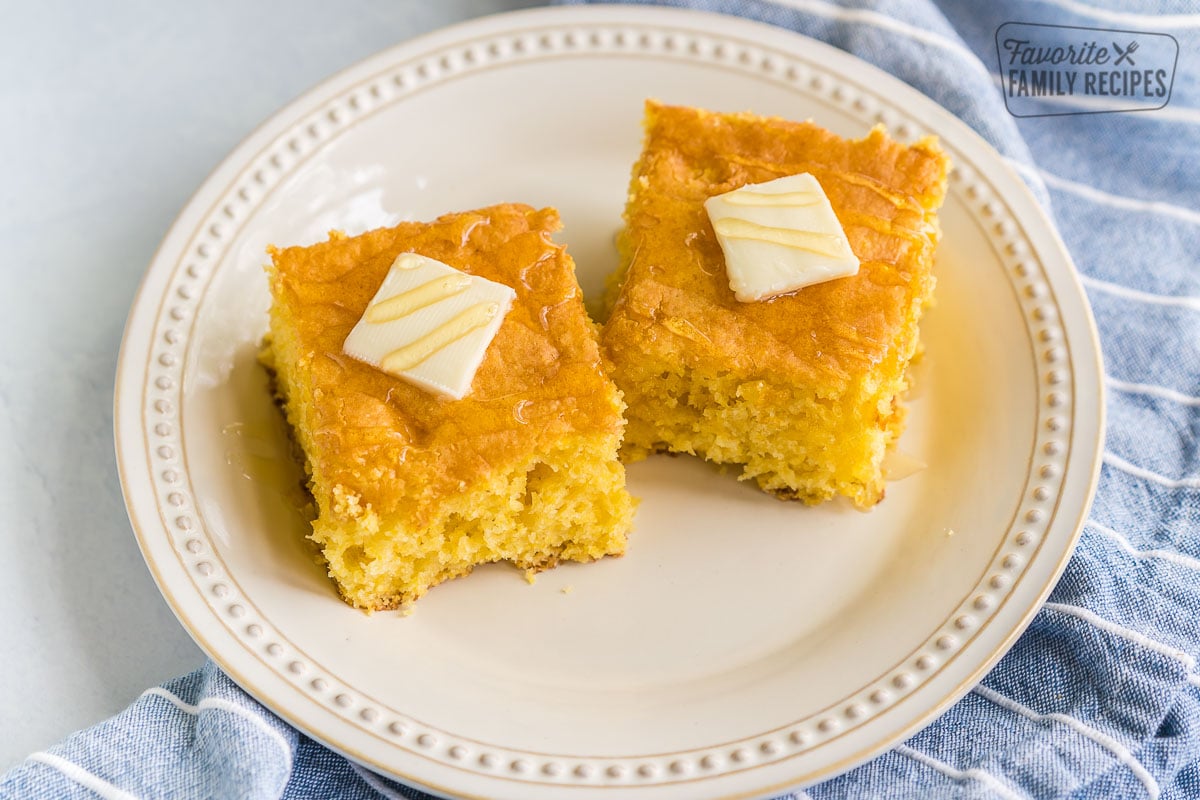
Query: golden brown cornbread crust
[
  {"x": 387, "y": 459},
  {"x": 401, "y": 447},
  {"x": 825, "y": 332},
  {"x": 670, "y": 302}
]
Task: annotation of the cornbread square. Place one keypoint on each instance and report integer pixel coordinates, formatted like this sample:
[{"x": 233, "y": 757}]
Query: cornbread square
[
  {"x": 802, "y": 390},
  {"x": 413, "y": 489}
]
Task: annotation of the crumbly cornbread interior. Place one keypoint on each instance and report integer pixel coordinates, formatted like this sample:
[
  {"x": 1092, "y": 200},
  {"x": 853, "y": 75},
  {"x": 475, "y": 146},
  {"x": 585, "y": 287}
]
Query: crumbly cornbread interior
[
  {"x": 803, "y": 390},
  {"x": 412, "y": 489}
]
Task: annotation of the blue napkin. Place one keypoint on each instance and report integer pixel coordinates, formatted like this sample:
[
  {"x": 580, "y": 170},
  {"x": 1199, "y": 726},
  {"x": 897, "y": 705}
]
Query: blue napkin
[{"x": 1101, "y": 696}]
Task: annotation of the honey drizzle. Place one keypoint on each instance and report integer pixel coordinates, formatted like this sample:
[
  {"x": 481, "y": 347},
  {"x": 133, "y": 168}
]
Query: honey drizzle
[
  {"x": 884, "y": 226},
  {"x": 401, "y": 305},
  {"x": 898, "y": 465},
  {"x": 773, "y": 199},
  {"x": 449, "y": 332},
  {"x": 898, "y": 200},
  {"x": 854, "y": 178},
  {"x": 824, "y": 244}
]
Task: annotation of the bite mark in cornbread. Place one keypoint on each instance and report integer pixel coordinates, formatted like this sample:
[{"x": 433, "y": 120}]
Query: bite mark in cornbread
[
  {"x": 802, "y": 390},
  {"x": 412, "y": 488}
]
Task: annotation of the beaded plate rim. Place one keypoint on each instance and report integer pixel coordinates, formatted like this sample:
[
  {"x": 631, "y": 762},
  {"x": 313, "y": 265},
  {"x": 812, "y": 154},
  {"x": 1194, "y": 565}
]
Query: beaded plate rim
[{"x": 149, "y": 404}]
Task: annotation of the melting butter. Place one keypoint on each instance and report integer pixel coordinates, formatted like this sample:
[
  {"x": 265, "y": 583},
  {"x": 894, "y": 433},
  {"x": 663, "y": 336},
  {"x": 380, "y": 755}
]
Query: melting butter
[
  {"x": 777, "y": 199},
  {"x": 825, "y": 244},
  {"x": 779, "y": 236},
  {"x": 430, "y": 324},
  {"x": 426, "y": 294},
  {"x": 450, "y": 331},
  {"x": 409, "y": 261}
]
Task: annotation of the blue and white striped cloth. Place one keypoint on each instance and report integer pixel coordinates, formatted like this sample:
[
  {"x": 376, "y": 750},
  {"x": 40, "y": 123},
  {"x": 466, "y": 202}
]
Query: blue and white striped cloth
[{"x": 1101, "y": 697}]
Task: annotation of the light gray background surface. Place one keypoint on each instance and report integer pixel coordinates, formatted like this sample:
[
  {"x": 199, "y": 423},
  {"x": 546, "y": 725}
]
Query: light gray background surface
[{"x": 112, "y": 115}]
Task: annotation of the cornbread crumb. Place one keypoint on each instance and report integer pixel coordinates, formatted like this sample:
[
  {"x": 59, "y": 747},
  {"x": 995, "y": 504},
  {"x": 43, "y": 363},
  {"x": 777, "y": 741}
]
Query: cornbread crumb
[
  {"x": 412, "y": 489},
  {"x": 802, "y": 391},
  {"x": 567, "y": 589}
]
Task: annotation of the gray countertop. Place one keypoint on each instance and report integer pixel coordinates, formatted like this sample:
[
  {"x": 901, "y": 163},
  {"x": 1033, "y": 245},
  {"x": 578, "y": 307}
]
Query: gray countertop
[{"x": 114, "y": 113}]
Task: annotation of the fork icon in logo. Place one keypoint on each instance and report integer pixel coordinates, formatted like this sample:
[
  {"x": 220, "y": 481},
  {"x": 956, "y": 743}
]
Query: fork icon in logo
[{"x": 1126, "y": 54}]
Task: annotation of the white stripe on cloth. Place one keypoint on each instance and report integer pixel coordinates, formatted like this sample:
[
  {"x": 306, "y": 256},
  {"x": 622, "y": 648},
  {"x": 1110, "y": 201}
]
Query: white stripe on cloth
[
  {"x": 1029, "y": 172},
  {"x": 1194, "y": 680},
  {"x": 1115, "y": 200},
  {"x": 1120, "y": 751},
  {"x": 1128, "y": 634},
  {"x": 225, "y": 705},
  {"x": 1168, "y": 113},
  {"x": 81, "y": 776},
  {"x": 1166, "y": 555},
  {"x": 819, "y": 8},
  {"x": 1116, "y": 289},
  {"x": 1177, "y": 301},
  {"x": 1162, "y": 392},
  {"x": 1115, "y": 461},
  {"x": 1150, "y": 21},
  {"x": 986, "y": 778},
  {"x": 1188, "y": 116},
  {"x": 370, "y": 779}
]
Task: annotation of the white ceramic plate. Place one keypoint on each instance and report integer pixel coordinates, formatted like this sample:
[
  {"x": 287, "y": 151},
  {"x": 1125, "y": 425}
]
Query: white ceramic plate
[{"x": 743, "y": 645}]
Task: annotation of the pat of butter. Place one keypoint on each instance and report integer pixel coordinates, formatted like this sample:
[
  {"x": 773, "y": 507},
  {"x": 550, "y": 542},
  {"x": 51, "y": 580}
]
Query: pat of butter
[
  {"x": 430, "y": 324},
  {"x": 779, "y": 236}
]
